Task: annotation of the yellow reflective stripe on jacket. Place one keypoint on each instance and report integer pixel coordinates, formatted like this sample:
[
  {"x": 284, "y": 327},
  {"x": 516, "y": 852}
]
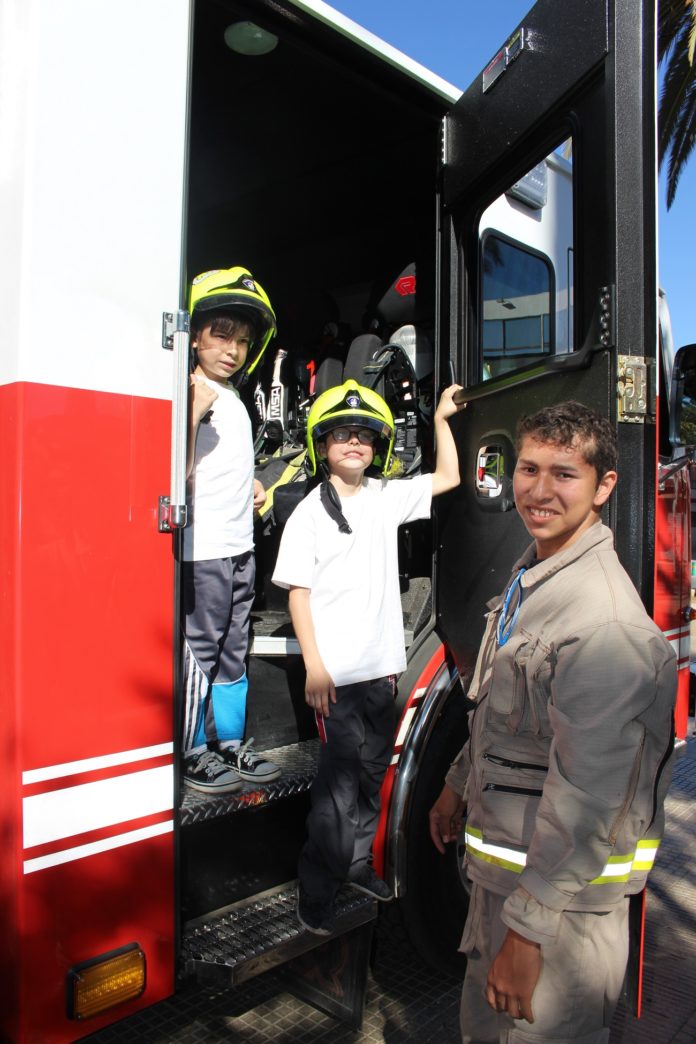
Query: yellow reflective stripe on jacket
[
  {"x": 620, "y": 868},
  {"x": 495, "y": 854},
  {"x": 617, "y": 870},
  {"x": 645, "y": 854}
]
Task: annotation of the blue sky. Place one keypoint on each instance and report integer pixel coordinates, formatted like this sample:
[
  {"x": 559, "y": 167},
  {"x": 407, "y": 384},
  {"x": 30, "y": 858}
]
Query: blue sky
[{"x": 456, "y": 38}]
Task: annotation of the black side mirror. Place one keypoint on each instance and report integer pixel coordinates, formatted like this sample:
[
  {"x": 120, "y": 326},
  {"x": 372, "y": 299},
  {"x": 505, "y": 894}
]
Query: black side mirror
[{"x": 682, "y": 399}]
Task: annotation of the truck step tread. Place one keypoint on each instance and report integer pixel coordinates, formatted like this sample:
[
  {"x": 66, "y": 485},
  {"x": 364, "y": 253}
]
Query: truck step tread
[
  {"x": 234, "y": 944},
  {"x": 299, "y": 764}
]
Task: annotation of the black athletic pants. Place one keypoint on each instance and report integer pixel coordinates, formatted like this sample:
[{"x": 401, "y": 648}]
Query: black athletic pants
[{"x": 358, "y": 740}]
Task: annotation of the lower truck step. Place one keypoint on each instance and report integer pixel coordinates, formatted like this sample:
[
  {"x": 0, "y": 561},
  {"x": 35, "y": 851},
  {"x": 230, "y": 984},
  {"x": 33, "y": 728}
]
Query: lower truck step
[
  {"x": 232, "y": 945},
  {"x": 261, "y": 933}
]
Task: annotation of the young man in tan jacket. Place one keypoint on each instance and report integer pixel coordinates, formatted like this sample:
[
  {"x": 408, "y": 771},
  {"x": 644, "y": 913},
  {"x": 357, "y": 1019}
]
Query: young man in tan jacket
[{"x": 565, "y": 773}]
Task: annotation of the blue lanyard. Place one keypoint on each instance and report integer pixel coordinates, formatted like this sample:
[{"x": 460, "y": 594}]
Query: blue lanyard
[{"x": 505, "y": 625}]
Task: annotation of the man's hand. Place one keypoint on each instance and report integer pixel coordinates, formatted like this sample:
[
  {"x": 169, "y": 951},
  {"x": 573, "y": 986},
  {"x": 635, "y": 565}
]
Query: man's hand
[
  {"x": 320, "y": 690},
  {"x": 446, "y": 818},
  {"x": 513, "y": 976}
]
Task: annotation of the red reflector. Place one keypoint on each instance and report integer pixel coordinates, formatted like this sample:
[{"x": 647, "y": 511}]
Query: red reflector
[{"x": 405, "y": 286}]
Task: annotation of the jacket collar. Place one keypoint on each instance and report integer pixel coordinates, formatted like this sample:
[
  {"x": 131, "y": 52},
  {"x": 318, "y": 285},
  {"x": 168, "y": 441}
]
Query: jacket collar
[{"x": 597, "y": 536}]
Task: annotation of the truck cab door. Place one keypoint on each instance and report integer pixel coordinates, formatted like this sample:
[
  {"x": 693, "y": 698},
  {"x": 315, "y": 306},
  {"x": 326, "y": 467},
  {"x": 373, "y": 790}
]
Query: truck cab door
[{"x": 548, "y": 279}]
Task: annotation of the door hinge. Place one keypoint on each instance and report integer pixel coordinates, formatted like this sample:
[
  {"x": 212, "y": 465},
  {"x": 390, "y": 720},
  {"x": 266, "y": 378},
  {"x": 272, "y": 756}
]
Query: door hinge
[
  {"x": 169, "y": 516},
  {"x": 444, "y": 140},
  {"x": 173, "y": 322},
  {"x": 633, "y": 390}
]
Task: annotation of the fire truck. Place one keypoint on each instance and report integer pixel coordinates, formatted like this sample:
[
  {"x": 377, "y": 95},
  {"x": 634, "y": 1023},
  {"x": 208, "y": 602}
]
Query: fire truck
[{"x": 504, "y": 237}]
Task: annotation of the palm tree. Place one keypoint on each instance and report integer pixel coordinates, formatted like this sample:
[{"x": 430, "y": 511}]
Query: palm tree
[{"x": 676, "y": 40}]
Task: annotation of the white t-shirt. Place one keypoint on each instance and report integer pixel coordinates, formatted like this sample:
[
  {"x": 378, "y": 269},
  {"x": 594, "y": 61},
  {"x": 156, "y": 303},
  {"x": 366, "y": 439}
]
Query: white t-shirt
[
  {"x": 354, "y": 578},
  {"x": 220, "y": 492}
]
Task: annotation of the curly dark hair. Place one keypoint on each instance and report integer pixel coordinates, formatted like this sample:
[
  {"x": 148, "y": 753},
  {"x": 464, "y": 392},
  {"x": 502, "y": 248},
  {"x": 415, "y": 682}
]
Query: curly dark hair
[{"x": 572, "y": 424}]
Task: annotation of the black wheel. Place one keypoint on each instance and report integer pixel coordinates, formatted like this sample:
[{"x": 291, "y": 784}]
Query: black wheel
[{"x": 435, "y": 905}]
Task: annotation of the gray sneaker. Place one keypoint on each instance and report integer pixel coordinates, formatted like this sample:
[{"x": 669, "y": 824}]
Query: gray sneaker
[
  {"x": 248, "y": 764},
  {"x": 208, "y": 773}
]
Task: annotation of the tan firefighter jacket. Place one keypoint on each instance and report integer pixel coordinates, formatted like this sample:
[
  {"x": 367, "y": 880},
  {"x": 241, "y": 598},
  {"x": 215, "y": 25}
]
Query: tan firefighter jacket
[{"x": 571, "y": 741}]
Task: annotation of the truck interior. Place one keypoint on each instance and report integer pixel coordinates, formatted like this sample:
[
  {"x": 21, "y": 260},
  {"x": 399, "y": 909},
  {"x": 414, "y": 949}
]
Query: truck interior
[
  {"x": 318, "y": 173},
  {"x": 315, "y": 166}
]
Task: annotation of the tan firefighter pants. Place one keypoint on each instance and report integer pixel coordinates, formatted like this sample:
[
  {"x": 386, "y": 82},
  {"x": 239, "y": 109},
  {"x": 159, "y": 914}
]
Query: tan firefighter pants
[{"x": 578, "y": 989}]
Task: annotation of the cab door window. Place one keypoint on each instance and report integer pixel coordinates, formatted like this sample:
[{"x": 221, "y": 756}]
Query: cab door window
[
  {"x": 518, "y": 291},
  {"x": 526, "y": 268}
]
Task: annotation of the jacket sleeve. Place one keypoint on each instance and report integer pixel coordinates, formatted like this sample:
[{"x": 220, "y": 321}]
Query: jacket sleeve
[
  {"x": 610, "y": 709},
  {"x": 458, "y": 772}
]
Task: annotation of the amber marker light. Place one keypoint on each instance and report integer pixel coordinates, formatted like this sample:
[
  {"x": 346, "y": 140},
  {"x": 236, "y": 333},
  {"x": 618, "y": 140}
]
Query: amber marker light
[{"x": 103, "y": 982}]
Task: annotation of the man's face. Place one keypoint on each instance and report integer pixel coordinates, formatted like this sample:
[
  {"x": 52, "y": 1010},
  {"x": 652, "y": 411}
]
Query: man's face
[
  {"x": 557, "y": 493},
  {"x": 222, "y": 355}
]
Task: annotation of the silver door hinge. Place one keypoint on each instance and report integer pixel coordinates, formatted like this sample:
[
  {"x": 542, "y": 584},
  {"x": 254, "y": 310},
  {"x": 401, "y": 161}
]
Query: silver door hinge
[
  {"x": 633, "y": 390},
  {"x": 173, "y": 322},
  {"x": 444, "y": 140},
  {"x": 170, "y": 517}
]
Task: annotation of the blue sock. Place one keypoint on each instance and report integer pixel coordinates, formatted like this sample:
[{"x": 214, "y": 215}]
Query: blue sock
[{"x": 229, "y": 708}]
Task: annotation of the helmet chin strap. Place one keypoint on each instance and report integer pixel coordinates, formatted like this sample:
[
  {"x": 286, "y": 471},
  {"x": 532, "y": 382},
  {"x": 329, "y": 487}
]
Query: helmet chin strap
[{"x": 332, "y": 502}]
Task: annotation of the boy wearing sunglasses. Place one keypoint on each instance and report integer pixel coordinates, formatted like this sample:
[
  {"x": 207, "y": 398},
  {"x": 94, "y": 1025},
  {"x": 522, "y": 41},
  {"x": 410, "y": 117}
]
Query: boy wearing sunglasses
[
  {"x": 564, "y": 778},
  {"x": 338, "y": 558}
]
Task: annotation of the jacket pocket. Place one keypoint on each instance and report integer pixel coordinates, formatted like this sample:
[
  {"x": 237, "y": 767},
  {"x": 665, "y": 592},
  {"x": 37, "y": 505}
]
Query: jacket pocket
[
  {"x": 520, "y": 686},
  {"x": 509, "y": 804}
]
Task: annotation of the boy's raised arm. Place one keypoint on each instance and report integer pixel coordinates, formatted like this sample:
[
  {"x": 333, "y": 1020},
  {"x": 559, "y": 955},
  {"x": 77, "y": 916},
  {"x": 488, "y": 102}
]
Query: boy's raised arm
[
  {"x": 446, "y": 474},
  {"x": 201, "y": 399}
]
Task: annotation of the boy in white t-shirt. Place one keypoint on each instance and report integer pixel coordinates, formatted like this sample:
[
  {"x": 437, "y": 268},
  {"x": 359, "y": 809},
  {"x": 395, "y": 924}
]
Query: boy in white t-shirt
[
  {"x": 338, "y": 558},
  {"x": 231, "y": 324}
]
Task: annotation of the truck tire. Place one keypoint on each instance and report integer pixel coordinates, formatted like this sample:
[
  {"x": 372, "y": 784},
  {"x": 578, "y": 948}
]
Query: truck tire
[{"x": 436, "y": 900}]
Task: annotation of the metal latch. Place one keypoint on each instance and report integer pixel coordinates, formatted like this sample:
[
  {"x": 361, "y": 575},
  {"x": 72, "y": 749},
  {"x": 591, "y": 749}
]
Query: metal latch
[{"x": 633, "y": 389}]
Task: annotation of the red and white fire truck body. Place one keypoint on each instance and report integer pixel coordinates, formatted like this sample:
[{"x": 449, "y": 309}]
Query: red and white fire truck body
[{"x": 139, "y": 147}]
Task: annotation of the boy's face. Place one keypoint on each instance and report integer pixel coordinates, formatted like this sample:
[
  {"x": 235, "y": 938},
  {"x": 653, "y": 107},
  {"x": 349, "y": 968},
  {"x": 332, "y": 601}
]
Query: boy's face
[
  {"x": 220, "y": 355},
  {"x": 347, "y": 457},
  {"x": 557, "y": 493}
]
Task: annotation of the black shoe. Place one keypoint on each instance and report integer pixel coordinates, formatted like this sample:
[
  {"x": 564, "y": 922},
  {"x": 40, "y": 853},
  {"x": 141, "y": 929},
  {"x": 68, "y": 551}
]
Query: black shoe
[
  {"x": 316, "y": 915},
  {"x": 248, "y": 764},
  {"x": 367, "y": 881},
  {"x": 208, "y": 773}
]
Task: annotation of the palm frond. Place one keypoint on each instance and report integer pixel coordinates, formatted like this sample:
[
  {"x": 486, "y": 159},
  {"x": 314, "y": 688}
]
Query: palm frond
[{"x": 677, "y": 110}]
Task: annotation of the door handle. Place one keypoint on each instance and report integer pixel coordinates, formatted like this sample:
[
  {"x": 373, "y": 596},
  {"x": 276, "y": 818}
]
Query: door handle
[
  {"x": 492, "y": 481},
  {"x": 490, "y": 469}
]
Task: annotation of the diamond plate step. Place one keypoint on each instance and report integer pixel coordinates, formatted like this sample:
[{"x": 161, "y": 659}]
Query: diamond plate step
[
  {"x": 251, "y": 936},
  {"x": 299, "y": 764}
]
